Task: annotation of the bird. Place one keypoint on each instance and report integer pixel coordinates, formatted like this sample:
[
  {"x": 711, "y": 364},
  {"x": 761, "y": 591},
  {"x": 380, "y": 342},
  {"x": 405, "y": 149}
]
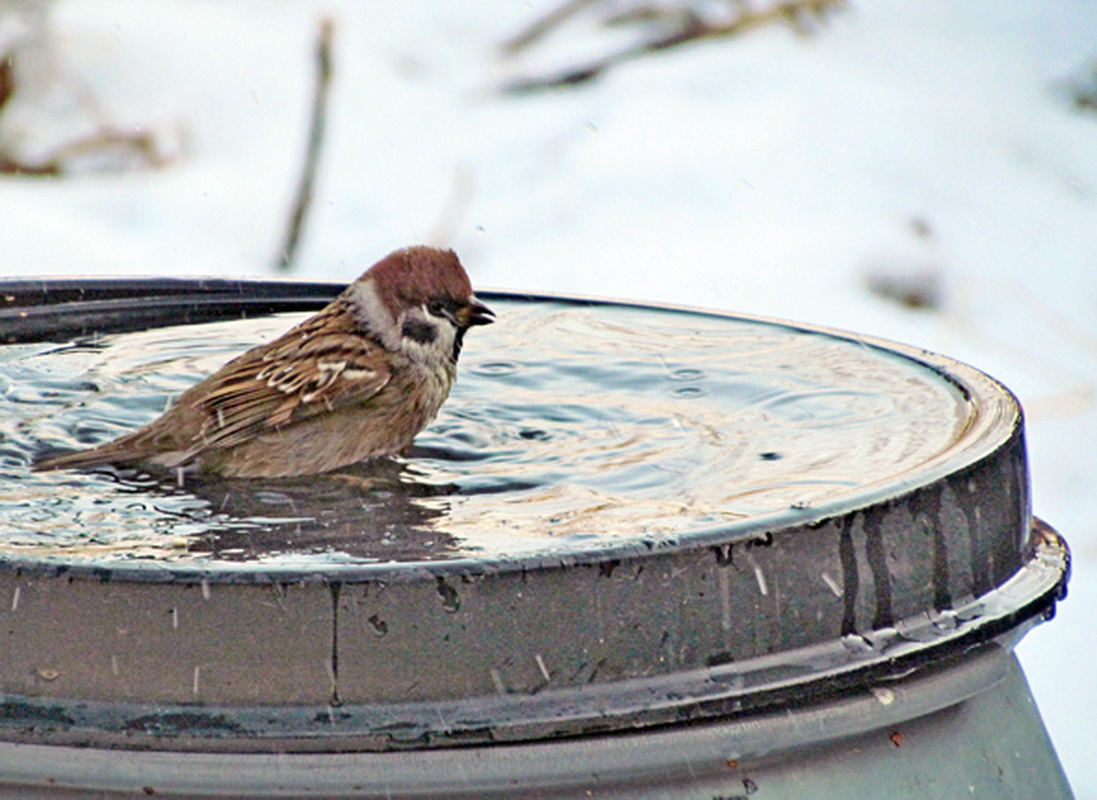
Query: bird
[{"x": 359, "y": 379}]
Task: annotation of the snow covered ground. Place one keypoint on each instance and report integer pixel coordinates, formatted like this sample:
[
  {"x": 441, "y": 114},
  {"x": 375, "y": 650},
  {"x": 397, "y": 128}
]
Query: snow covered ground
[{"x": 769, "y": 173}]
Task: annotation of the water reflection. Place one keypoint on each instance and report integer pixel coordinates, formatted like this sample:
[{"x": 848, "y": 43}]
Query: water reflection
[
  {"x": 568, "y": 425},
  {"x": 378, "y": 510}
]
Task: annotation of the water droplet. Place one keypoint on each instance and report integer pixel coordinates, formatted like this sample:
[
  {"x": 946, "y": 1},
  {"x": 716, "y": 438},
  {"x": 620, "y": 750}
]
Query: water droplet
[
  {"x": 495, "y": 369},
  {"x": 689, "y": 392},
  {"x": 947, "y": 620},
  {"x": 857, "y": 644},
  {"x": 885, "y": 696}
]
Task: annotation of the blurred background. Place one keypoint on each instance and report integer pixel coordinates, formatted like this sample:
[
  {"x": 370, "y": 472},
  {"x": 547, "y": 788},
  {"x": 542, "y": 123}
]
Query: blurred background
[{"x": 924, "y": 172}]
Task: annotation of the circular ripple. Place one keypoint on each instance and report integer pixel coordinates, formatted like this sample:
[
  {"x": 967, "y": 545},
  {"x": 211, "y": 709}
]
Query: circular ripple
[{"x": 602, "y": 423}]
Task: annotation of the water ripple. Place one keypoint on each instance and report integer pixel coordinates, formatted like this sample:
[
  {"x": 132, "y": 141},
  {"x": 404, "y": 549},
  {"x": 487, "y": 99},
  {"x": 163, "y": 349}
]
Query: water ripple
[{"x": 601, "y": 424}]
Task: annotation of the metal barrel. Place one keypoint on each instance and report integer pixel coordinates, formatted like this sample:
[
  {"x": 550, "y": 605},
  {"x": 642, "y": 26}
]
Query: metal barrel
[{"x": 857, "y": 647}]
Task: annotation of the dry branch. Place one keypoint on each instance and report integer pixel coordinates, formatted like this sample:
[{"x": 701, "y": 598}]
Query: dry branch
[
  {"x": 670, "y": 30},
  {"x": 318, "y": 115},
  {"x": 140, "y": 143}
]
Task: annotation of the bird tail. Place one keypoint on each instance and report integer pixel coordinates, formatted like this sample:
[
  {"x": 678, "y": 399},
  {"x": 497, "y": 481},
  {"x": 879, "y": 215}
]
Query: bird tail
[
  {"x": 78, "y": 458},
  {"x": 134, "y": 447}
]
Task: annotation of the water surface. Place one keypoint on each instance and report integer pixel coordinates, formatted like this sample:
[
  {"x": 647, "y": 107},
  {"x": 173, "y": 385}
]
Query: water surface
[{"x": 571, "y": 426}]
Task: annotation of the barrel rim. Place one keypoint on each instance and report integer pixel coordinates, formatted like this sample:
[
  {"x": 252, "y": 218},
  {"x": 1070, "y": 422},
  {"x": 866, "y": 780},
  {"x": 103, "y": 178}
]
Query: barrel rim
[
  {"x": 873, "y": 662},
  {"x": 995, "y": 419}
]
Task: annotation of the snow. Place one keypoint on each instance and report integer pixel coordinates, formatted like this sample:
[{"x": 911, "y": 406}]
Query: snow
[{"x": 770, "y": 173}]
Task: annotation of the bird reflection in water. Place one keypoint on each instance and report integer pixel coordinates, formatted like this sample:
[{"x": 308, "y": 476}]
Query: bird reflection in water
[{"x": 377, "y": 510}]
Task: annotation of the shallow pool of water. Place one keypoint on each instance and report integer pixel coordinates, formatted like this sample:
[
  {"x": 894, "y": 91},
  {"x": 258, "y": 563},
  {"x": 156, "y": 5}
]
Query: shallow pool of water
[{"x": 571, "y": 427}]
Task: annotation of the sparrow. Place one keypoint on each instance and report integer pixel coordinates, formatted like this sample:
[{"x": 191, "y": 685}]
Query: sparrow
[{"x": 359, "y": 379}]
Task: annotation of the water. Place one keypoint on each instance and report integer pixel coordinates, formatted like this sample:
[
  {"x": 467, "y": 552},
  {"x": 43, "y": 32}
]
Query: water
[{"x": 570, "y": 427}]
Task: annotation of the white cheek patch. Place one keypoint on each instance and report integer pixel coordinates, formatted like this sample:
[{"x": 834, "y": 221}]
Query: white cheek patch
[{"x": 373, "y": 315}]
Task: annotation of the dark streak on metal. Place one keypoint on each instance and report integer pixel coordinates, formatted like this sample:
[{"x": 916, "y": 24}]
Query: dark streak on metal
[
  {"x": 925, "y": 510},
  {"x": 850, "y": 578},
  {"x": 979, "y": 552},
  {"x": 881, "y": 576},
  {"x": 336, "y": 588}
]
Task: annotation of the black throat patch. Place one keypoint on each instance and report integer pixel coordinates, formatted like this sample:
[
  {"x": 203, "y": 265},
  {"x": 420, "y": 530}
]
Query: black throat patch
[
  {"x": 458, "y": 340},
  {"x": 422, "y": 332}
]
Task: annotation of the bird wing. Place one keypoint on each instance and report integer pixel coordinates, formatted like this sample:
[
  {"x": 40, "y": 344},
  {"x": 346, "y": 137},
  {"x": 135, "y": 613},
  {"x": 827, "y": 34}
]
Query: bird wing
[{"x": 322, "y": 364}]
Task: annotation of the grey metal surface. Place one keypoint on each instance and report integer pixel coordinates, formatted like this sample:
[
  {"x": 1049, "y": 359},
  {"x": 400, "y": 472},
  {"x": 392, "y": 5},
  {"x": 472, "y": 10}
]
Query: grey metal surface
[
  {"x": 868, "y": 637},
  {"x": 970, "y": 730},
  {"x": 935, "y": 534},
  {"x": 784, "y": 679}
]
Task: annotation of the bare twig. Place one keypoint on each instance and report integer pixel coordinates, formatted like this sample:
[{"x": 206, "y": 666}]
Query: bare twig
[
  {"x": 1083, "y": 92},
  {"x": 303, "y": 199},
  {"x": 688, "y": 26},
  {"x": 543, "y": 25},
  {"x": 141, "y": 144},
  {"x": 108, "y": 138},
  {"x": 7, "y": 79},
  {"x": 460, "y": 197}
]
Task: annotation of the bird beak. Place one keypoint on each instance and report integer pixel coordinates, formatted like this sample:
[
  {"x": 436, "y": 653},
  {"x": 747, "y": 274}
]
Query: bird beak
[{"x": 475, "y": 313}]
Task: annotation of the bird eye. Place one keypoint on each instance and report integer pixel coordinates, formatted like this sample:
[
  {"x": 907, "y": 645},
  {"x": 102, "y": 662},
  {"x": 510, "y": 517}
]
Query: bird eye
[{"x": 437, "y": 308}]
